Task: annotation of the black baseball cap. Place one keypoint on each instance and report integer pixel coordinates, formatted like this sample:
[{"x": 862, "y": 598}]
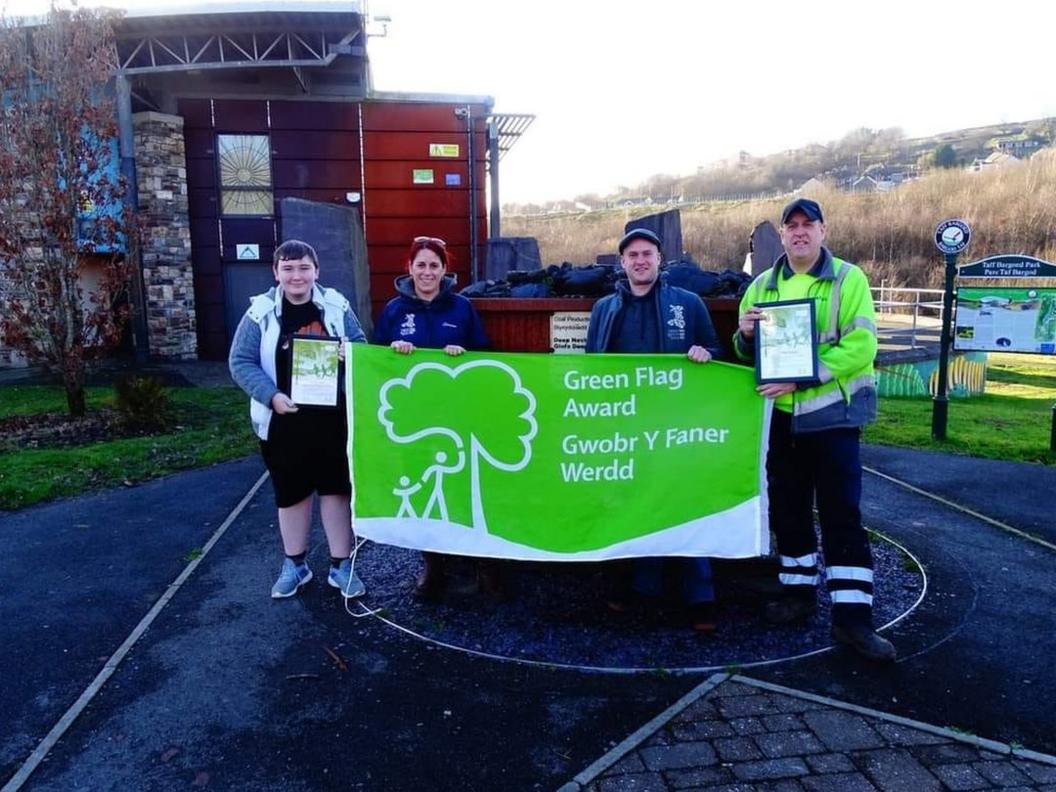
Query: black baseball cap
[
  {"x": 808, "y": 207},
  {"x": 640, "y": 233}
]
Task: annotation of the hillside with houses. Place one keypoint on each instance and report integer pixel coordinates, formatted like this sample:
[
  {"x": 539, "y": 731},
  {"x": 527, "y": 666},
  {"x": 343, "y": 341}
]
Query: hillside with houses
[{"x": 863, "y": 160}]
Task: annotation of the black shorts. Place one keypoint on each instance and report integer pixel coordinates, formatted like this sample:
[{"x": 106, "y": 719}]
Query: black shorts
[{"x": 305, "y": 453}]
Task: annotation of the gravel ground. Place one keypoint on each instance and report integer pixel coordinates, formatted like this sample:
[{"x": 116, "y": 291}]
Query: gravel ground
[{"x": 557, "y": 613}]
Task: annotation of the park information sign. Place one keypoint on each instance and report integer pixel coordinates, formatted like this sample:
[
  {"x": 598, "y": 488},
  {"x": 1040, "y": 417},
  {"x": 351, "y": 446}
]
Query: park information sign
[
  {"x": 1007, "y": 303},
  {"x": 557, "y": 457},
  {"x": 1005, "y": 319}
]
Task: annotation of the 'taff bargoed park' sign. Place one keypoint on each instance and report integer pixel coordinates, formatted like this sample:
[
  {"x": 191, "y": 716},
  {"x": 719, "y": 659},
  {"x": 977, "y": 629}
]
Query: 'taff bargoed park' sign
[{"x": 553, "y": 457}]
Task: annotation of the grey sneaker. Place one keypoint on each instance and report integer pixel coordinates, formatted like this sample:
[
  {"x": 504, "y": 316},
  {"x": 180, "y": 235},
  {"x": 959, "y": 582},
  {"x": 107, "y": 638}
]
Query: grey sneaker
[
  {"x": 291, "y": 577},
  {"x": 342, "y": 577}
]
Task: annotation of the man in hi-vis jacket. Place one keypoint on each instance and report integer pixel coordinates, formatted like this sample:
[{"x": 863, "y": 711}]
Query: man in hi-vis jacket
[{"x": 815, "y": 433}]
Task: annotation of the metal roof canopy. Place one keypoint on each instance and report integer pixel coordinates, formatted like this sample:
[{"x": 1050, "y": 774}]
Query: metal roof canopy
[
  {"x": 510, "y": 127},
  {"x": 238, "y": 36}
]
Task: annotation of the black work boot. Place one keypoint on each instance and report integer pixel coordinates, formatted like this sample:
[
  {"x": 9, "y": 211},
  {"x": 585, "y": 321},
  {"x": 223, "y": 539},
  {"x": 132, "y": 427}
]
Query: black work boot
[
  {"x": 865, "y": 641},
  {"x": 433, "y": 580},
  {"x": 792, "y": 608}
]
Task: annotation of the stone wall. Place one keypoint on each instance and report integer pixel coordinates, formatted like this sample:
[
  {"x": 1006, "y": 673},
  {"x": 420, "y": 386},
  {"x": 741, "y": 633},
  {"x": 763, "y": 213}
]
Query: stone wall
[{"x": 168, "y": 278}]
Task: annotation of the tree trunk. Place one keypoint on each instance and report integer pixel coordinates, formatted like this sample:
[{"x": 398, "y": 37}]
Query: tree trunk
[{"x": 73, "y": 382}]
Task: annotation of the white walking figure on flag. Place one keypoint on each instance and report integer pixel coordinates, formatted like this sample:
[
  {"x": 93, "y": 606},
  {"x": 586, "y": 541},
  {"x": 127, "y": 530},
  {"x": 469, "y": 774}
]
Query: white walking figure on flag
[
  {"x": 405, "y": 493},
  {"x": 437, "y": 471}
]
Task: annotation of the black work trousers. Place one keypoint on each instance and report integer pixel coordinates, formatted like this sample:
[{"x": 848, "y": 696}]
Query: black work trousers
[{"x": 823, "y": 468}]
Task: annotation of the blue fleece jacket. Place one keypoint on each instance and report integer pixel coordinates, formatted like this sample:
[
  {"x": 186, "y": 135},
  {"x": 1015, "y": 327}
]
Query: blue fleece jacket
[
  {"x": 449, "y": 318},
  {"x": 682, "y": 318}
]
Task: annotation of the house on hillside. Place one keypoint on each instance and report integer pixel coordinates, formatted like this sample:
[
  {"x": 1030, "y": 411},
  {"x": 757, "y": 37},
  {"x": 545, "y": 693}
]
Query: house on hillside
[
  {"x": 870, "y": 184},
  {"x": 811, "y": 185},
  {"x": 994, "y": 159},
  {"x": 1017, "y": 145}
]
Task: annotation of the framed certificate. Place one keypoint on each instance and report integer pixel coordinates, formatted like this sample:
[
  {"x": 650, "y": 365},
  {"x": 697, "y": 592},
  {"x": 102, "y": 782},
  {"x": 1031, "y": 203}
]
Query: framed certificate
[
  {"x": 314, "y": 367},
  {"x": 786, "y": 346}
]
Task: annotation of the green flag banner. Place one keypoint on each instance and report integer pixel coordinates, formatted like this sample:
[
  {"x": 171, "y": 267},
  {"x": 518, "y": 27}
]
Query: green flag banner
[{"x": 557, "y": 457}]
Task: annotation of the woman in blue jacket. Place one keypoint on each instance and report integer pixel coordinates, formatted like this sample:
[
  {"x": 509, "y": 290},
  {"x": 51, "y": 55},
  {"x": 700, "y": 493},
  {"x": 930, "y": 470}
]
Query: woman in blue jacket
[{"x": 428, "y": 313}]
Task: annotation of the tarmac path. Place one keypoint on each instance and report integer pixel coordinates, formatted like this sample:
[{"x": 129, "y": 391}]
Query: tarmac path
[{"x": 229, "y": 690}]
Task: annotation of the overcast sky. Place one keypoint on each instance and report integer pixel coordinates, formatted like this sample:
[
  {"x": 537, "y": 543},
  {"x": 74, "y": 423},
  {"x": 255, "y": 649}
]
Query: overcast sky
[{"x": 624, "y": 90}]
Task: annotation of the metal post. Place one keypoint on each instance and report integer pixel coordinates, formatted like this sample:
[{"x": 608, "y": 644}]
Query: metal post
[
  {"x": 916, "y": 310},
  {"x": 941, "y": 403},
  {"x": 474, "y": 271},
  {"x": 495, "y": 230},
  {"x": 126, "y": 141},
  {"x": 1052, "y": 430}
]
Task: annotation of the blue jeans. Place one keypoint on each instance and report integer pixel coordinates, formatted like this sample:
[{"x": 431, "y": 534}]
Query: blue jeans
[{"x": 697, "y": 585}]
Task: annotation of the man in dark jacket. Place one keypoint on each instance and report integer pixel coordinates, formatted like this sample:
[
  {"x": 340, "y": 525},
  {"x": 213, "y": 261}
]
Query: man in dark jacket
[{"x": 647, "y": 316}]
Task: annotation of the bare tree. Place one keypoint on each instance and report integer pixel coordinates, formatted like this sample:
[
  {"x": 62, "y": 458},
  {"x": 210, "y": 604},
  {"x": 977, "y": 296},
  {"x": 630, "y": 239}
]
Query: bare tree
[{"x": 63, "y": 228}]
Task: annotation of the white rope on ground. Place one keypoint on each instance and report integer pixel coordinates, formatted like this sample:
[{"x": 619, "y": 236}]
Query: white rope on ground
[
  {"x": 954, "y": 505},
  {"x": 19, "y": 778}
]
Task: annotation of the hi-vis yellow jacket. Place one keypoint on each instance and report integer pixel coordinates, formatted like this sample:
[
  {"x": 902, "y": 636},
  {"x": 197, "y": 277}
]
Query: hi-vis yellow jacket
[{"x": 845, "y": 393}]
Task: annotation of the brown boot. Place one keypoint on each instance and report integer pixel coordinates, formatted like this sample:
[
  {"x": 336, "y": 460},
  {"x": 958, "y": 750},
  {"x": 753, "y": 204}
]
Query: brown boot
[{"x": 433, "y": 580}]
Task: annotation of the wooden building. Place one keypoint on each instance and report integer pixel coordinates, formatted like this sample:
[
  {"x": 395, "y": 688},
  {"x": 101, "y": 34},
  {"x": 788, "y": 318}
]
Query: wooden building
[{"x": 254, "y": 126}]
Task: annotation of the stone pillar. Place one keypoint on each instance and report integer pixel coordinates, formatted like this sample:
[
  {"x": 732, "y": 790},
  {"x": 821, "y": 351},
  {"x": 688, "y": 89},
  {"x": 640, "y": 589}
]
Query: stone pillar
[{"x": 168, "y": 276}]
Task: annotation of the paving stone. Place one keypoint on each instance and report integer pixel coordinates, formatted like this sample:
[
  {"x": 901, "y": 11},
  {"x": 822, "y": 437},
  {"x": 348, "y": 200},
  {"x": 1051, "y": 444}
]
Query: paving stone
[
  {"x": 990, "y": 756},
  {"x": 1001, "y": 773},
  {"x": 702, "y": 730},
  {"x": 736, "y": 749},
  {"x": 793, "y": 704},
  {"x": 839, "y": 782},
  {"x": 895, "y": 770},
  {"x": 842, "y": 731},
  {"x": 671, "y": 757},
  {"x": 628, "y": 764},
  {"x": 730, "y": 788},
  {"x": 795, "y": 743},
  {"x": 1041, "y": 774},
  {"x": 663, "y": 736},
  {"x": 784, "y": 785},
  {"x": 830, "y": 763},
  {"x": 770, "y": 769},
  {"x": 787, "y": 721},
  {"x": 960, "y": 777},
  {"x": 633, "y": 782},
  {"x": 736, "y": 689},
  {"x": 951, "y": 753},
  {"x": 701, "y": 777},
  {"x": 747, "y": 726},
  {"x": 743, "y": 706},
  {"x": 701, "y": 709},
  {"x": 897, "y": 734}
]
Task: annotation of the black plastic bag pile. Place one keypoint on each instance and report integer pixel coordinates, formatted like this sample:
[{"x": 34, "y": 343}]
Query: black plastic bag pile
[{"x": 597, "y": 280}]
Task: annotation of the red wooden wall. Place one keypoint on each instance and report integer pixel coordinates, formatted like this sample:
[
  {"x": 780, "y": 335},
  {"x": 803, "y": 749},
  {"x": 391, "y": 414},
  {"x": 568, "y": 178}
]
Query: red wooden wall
[{"x": 315, "y": 150}]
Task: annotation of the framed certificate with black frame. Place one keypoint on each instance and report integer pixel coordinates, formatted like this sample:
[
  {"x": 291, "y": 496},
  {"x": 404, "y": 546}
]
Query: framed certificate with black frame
[
  {"x": 786, "y": 345},
  {"x": 314, "y": 371}
]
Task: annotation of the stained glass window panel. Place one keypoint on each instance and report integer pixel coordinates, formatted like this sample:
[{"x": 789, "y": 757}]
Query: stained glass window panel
[
  {"x": 245, "y": 160},
  {"x": 246, "y": 202}
]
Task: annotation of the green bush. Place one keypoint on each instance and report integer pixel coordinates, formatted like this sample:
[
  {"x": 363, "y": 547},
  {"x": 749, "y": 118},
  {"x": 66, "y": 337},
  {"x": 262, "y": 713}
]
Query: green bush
[{"x": 142, "y": 403}]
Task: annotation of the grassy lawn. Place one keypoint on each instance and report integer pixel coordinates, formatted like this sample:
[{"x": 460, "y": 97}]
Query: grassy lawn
[
  {"x": 1011, "y": 421},
  {"x": 209, "y": 425}
]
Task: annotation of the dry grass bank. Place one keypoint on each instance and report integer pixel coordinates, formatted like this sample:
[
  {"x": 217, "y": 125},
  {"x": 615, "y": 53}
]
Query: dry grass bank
[{"x": 1011, "y": 210}]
